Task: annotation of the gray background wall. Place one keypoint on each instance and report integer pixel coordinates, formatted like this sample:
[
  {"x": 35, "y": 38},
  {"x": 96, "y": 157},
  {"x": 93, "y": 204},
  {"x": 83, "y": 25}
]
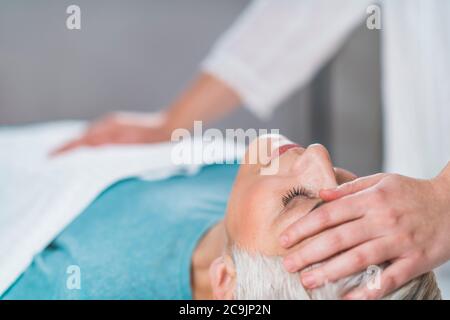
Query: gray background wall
[{"x": 137, "y": 55}]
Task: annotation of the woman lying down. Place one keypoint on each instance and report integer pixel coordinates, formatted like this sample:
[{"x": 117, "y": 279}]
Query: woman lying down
[{"x": 170, "y": 240}]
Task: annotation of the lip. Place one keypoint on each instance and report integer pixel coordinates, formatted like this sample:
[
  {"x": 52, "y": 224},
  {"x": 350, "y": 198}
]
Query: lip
[{"x": 284, "y": 148}]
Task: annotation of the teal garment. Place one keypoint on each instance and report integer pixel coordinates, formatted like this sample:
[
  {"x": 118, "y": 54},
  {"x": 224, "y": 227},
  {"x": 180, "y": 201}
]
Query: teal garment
[{"x": 135, "y": 241}]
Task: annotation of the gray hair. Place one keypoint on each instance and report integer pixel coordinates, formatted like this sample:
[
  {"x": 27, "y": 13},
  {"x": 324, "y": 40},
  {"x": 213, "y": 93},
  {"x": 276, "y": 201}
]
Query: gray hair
[{"x": 262, "y": 277}]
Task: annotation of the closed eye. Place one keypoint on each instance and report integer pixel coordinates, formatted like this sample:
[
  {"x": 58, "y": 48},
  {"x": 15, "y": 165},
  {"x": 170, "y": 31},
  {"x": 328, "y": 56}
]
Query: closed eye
[{"x": 294, "y": 193}]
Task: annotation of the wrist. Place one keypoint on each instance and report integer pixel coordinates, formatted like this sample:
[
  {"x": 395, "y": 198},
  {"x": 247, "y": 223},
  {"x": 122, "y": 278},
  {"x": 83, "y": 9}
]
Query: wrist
[{"x": 441, "y": 185}]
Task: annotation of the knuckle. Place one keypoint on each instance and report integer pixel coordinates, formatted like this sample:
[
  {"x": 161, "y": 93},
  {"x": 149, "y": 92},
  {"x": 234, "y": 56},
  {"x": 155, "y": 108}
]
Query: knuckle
[
  {"x": 395, "y": 177},
  {"x": 292, "y": 233},
  {"x": 389, "y": 283},
  {"x": 359, "y": 259},
  {"x": 407, "y": 239},
  {"x": 349, "y": 187},
  {"x": 420, "y": 255},
  {"x": 391, "y": 218},
  {"x": 300, "y": 260},
  {"x": 336, "y": 241},
  {"x": 301, "y": 232},
  {"x": 380, "y": 195},
  {"x": 410, "y": 237},
  {"x": 393, "y": 182},
  {"x": 323, "y": 218}
]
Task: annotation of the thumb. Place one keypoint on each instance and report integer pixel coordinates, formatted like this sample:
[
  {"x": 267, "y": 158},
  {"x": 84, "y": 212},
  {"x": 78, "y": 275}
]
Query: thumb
[{"x": 351, "y": 187}]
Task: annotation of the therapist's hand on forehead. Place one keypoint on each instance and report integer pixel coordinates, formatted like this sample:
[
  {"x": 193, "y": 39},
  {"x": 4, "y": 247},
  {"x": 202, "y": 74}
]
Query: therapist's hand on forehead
[{"x": 371, "y": 220}]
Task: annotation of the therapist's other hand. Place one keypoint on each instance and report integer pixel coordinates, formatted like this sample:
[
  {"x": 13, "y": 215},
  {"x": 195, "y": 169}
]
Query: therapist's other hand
[
  {"x": 120, "y": 128},
  {"x": 207, "y": 99},
  {"x": 371, "y": 220}
]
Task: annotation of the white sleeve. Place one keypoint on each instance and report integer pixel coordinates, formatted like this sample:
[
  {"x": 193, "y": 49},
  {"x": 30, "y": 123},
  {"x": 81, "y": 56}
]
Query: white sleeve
[{"x": 277, "y": 45}]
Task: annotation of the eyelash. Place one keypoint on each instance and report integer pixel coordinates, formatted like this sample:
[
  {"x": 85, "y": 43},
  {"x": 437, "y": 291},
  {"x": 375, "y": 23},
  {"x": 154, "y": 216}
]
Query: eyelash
[{"x": 293, "y": 193}]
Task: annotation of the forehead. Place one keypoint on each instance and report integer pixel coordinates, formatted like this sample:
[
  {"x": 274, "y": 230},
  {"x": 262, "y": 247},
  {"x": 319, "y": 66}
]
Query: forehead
[{"x": 247, "y": 222}]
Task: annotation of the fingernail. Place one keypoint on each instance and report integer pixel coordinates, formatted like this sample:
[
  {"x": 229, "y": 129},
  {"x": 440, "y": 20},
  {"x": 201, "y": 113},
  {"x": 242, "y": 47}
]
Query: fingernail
[
  {"x": 308, "y": 280},
  {"x": 289, "y": 265},
  {"x": 284, "y": 240},
  {"x": 327, "y": 193}
]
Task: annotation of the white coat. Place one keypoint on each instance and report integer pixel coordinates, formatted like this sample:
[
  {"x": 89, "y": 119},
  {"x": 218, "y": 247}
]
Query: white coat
[{"x": 277, "y": 46}]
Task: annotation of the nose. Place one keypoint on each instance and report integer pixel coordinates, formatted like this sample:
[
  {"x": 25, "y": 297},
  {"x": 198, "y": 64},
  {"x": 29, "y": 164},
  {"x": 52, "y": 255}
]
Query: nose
[{"x": 314, "y": 169}]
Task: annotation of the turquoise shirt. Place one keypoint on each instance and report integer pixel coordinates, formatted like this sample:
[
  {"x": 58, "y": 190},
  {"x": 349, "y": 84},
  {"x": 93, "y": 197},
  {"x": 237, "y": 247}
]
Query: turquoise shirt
[{"x": 135, "y": 241}]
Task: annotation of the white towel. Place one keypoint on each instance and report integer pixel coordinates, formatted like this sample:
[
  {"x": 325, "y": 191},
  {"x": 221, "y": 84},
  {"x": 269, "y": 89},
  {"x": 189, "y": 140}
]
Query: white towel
[{"x": 40, "y": 196}]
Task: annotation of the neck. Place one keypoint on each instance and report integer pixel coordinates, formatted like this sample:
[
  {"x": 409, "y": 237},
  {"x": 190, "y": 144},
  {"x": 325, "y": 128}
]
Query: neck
[{"x": 209, "y": 248}]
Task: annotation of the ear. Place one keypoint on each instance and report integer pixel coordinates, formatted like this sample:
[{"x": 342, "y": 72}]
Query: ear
[{"x": 222, "y": 276}]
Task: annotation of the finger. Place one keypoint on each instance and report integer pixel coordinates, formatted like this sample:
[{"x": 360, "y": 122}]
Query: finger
[
  {"x": 98, "y": 139},
  {"x": 343, "y": 176},
  {"x": 67, "y": 147},
  {"x": 327, "y": 216},
  {"x": 327, "y": 244},
  {"x": 350, "y": 262},
  {"x": 99, "y": 128},
  {"x": 124, "y": 137},
  {"x": 351, "y": 187},
  {"x": 392, "y": 278}
]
